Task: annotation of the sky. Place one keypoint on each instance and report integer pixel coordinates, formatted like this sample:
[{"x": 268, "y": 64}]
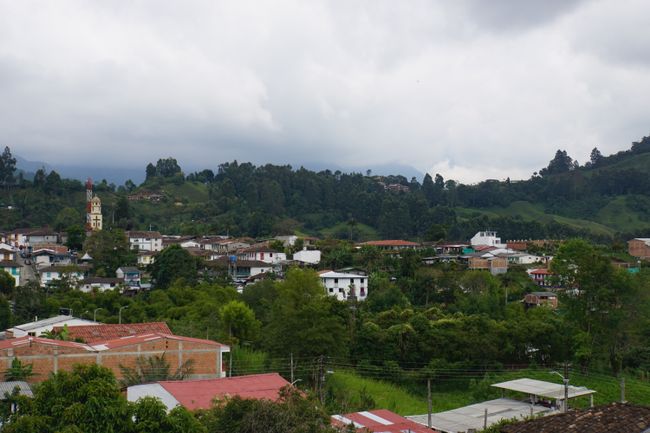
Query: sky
[{"x": 469, "y": 89}]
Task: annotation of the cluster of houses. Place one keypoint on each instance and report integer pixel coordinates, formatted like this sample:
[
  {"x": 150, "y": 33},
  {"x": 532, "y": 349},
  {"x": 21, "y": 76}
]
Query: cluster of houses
[{"x": 541, "y": 406}]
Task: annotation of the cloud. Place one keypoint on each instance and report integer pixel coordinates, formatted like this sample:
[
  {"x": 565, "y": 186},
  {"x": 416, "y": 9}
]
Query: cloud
[{"x": 464, "y": 87}]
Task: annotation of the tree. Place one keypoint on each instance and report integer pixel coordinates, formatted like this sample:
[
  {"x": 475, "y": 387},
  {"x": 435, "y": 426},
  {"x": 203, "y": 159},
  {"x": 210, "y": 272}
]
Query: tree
[
  {"x": 153, "y": 369},
  {"x": 7, "y": 284},
  {"x": 109, "y": 250},
  {"x": 304, "y": 320},
  {"x": 167, "y": 167},
  {"x": 18, "y": 371},
  {"x": 239, "y": 322},
  {"x": 7, "y": 168},
  {"x": 561, "y": 163},
  {"x": 595, "y": 157},
  {"x": 67, "y": 217},
  {"x": 173, "y": 263},
  {"x": 598, "y": 300},
  {"x": 5, "y": 313},
  {"x": 150, "y": 171},
  {"x": 76, "y": 237}
]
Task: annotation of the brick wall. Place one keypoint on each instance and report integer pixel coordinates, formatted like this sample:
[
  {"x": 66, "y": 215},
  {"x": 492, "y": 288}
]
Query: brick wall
[
  {"x": 50, "y": 358},
  {"x": 637, "y": 248}
]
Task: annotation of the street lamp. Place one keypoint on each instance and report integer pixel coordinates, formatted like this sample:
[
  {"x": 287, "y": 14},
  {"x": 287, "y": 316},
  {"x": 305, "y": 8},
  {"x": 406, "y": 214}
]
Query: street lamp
[
  {"x": 119, "y": 314},
  {"x": 95, "y": 313},
  {"x": 566, "y": 390}
]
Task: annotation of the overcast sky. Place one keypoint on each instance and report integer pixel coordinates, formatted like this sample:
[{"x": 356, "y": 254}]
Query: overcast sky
[{"x": 472, "y": 89}]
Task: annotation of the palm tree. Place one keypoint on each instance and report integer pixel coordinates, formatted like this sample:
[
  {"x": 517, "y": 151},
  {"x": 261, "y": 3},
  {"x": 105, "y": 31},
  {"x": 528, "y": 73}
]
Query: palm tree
[{"x": 153, "y": 369}]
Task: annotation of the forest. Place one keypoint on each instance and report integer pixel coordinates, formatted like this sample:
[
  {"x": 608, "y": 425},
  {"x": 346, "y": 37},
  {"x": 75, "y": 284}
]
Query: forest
[{"x": 605, "y": 199}]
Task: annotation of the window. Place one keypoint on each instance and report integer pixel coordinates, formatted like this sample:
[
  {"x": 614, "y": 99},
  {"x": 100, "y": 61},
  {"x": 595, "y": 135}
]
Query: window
[
  {"x": 336, "y": 280},
  {"x": 331, "y": 290},
  {"x": 340, "y": 290}
]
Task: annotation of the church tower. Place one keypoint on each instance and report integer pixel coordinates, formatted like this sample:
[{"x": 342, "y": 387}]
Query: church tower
[{"x": 93, "y": 209}]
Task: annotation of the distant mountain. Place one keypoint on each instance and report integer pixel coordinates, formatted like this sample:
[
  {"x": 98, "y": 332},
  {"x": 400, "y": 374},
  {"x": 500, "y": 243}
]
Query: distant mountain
[{"x": 116, "y": 175}]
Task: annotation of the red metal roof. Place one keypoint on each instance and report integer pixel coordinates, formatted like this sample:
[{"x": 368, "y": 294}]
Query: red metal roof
[
  {"x": 96, "y": 333},
  {"x": 380, "y": 420},
  {"x": 392, "y": 243},
  {"x": 199, "y": 394}
]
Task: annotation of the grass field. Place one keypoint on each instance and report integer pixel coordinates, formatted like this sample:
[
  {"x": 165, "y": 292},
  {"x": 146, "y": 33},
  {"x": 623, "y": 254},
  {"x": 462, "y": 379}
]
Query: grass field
[{"x": 452, "y": 393}]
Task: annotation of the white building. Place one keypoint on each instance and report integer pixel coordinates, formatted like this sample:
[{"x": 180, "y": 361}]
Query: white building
[
  {"x": 262, "y": 253},
  {"x": 53, "y": 273},
  {"x": 309, "y": 257},
  {"x": 101, "y": 284},
  {"x": 344, "y": 285},
  {"x": 145, "y": 241},
  {"x": 38, "y": 327},
  {"x": 487, "y": 238}
]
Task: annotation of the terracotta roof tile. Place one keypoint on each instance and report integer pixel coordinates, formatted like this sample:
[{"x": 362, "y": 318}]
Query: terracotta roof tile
[
  {"x": 615, "y": 417},
  {"x": 96, "y": 333}
]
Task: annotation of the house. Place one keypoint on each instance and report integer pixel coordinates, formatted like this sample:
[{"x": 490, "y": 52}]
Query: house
[
  {"x": 379, "y": 421},
  {"x": 91, "y": 334},
  {"x": 452, "y": 249},
  {"x": 49, "y": 255},
  {"x": 392, "y": 245},
  {"x": 51, "y": 356},
  {"x": 541, "y": 276},
  {"x": 240, "y": 269},
  {"x": 496, "y": 265},
  {"x": 262, "y": 253},
  {"x": 38, "y": 327},
  {"x": 488, "y": 238},
  {"x": 100, "y": 284},
  {"x": 639, "y": 248},
  {"x": 7, "y": 253},
  {"x": 12, "y": 268},
  {"x": 536, "y": 299},
  {"x": 288, "y": 240},
  {"x": 308, "y": 257},
  {"x": 145, "y": 240},
  {"x": 146, "y": 258},
  {"x": 614, "y": 417},
  {"x": 199, "y": 394},
  {"x": 518, "y": 258},
  {"x": 130, "y": 275},
  {"x": 345, "y": 285},
  {"x": 73, "y": 273},
  {"x": 41, "y": 236}
]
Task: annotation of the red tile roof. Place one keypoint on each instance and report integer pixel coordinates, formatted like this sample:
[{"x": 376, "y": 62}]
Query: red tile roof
[
  {"x": 142, "y": 338},
  {"x": 381, "y": 420},
  {"x": 198, "y": 394},
  {"x": 541, "y": 271},
  {"x": 392, "y": 243},
  {"x": 95, "y": 333},
  {"x": 615, "y": 417}
]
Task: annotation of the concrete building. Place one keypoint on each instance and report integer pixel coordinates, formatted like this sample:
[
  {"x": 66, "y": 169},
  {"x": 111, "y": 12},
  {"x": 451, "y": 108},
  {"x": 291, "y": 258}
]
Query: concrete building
[
  {"x": 36, "y": 328},
  {"x": 308, "y": 257},
  {"x": 145, "y": 241},
  {"x": 488, "y": 238},
  {"x": 51, "y": 356},
  {"x": 344, "y": 285},
  {"x": 262, "y": 253}
]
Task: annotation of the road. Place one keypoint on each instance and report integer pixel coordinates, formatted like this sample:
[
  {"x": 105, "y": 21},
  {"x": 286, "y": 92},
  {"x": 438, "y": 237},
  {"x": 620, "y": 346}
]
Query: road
[{"x": 27, "y": 272}]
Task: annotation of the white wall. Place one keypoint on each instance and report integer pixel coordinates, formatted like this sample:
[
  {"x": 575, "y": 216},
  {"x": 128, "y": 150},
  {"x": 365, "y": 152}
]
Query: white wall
[
  {"x": 308, "y": 256},
  {"x": 338, "y": 284},
  {"x": 135, "y": 392}
]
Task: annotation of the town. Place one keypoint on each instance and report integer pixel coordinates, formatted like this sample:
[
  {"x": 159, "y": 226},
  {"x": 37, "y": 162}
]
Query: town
[{"x": 191, "y": 320}]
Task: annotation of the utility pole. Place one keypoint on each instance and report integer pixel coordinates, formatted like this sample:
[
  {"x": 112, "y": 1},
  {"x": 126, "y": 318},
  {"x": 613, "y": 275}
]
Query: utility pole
[
  {"x": 623, "y": 390},
  {"x": 566, "y": 387},
  {"x": 429, "y": 409},
  {"x": 321, "y": 379},
  {"x": 230, "y": 367},
  {"x": 291, "y": 367}
]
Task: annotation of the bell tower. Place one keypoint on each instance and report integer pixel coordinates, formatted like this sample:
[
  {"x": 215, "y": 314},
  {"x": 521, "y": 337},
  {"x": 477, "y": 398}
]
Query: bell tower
[{"x": 93, "y": 209}]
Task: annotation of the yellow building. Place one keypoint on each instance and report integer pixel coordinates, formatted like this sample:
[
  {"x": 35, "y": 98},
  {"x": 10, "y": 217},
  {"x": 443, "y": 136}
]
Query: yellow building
[{"x": 95, "y": 215}]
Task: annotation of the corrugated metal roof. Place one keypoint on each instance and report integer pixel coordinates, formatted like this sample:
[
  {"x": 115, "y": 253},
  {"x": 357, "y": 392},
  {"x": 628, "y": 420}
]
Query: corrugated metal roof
[
  {"x": 199, "y": 394},
  {"x": 379, "y": 421},
  {"x": 8, "y": 388},
  {"x": 542, "y": 389}
]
